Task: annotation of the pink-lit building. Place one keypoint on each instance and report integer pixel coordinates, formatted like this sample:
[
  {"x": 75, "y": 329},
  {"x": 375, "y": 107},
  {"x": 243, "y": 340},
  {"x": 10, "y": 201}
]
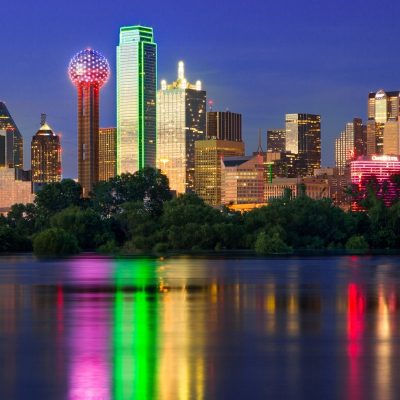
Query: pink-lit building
[{"x": 379, "y": 169}]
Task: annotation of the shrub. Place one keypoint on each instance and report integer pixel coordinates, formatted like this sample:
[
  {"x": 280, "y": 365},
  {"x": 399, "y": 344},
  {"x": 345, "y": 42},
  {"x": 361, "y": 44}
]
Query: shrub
[
  {"x": 55, "y": 242},
  {"x": 271, "y": 244},
  {"x": 357, "y": 242}
]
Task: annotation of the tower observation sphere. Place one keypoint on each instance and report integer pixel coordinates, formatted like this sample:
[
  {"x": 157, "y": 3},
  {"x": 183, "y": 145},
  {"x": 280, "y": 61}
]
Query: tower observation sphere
[
  {"x": 89, "y": 67},
  {"x": 88, "y": 71}
]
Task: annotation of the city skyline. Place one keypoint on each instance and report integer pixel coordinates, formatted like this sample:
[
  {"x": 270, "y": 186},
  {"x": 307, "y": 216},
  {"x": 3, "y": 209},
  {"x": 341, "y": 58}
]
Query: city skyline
[{"x": 334, "y": 85}]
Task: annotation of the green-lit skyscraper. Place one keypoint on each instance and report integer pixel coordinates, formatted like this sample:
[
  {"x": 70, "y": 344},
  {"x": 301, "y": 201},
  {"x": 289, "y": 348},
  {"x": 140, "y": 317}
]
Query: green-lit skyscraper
[{"x": 136, "y": 99}]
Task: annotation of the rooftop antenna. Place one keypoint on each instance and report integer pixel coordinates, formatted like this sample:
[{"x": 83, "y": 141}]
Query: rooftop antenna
[
  {"x": 260, "y": 149},
  {"x": 43, "y": 118}
]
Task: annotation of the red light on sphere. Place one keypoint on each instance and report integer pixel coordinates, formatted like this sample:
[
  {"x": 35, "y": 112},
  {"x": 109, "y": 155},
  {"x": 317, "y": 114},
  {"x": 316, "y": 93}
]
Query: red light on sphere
[{"x": 89, "y": 67}]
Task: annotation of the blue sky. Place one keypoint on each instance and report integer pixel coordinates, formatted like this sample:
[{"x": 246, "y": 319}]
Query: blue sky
[{"x": 260, "y": 58}]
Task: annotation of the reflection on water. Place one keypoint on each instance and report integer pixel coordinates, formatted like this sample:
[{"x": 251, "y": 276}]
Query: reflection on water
[{"x": 200, "y": 329}]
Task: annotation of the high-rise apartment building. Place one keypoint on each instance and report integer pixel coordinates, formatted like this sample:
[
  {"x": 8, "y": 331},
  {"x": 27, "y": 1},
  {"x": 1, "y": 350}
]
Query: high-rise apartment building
[
  {"x": 107, "y": 153},
  {"x": 88, "y": 71},
  {"x": 208, "y": 154},
  {"x": 11, "y": 142},
  {"x": 276, "y": 140},
  {"x": 224, "y": 125},
  {"x": 136, "y": 99},
  {"x": 303, "y": 137},
  {"x": 181, "y": 121},
  {"x": 45, "y": 156},
  {"x": 382, "y": 107}
]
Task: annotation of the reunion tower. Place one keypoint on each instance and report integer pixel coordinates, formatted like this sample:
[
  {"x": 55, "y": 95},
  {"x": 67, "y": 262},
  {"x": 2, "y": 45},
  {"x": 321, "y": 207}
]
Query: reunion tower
[{"x": 89, "y": 71}]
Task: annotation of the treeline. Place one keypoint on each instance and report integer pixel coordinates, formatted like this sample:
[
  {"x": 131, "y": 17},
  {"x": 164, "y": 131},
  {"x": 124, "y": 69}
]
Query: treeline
[{"x": 134, "y": 213}]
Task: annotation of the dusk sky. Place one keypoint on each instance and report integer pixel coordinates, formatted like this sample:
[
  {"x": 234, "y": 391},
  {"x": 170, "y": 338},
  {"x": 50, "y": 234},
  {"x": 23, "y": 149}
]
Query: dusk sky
[{"x": 260, "y": 58}]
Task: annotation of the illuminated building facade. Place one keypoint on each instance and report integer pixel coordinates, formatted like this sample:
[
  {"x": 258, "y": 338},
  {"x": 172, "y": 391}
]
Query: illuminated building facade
[
  {"x": 303, "y": 137},
  {"x": 181, "y": 121},
  {"x": 378, "y": 169},
  {"x": 224, "y": 125},
  {"x": 45, "y": 156},
  {"x": 242, "y": 180},
  {"x": 391, "y": 138},
  {"x": 88, "y": 71},
  {"x": 276, "y": 140},
  {"x": 382, "y": 107},
  {"x": 11, "y": 142},
  {"x": 349, "y": 143},
  {"x": 15, "y": 187},
  {"x": 208, "y": 155},
  {"x": 136, "y": 99},
  {"x": 107, "y": 153}
]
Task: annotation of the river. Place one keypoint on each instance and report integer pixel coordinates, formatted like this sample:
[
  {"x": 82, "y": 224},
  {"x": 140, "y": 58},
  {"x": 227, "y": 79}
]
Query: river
[{"x": 92, "y": 328}]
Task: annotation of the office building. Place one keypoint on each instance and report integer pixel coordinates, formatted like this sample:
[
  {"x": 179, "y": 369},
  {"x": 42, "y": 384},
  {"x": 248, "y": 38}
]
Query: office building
[
  {"x": 88, "y": 71},
  {"x": 208, "y": 154},
  {"x": 11, "y": 141},
  {"x": 303, "y": 137},
  {"x": 224, "y": 125},
  {"x": 350, "y": 144},
  {"x": 181, "y": 121},
  {"x": 276, "y": 140},
  {"x": 15, "y": 187},
  {"x": 382, "y": 107},
  {"x": 45, "y": 156},
  {"x": 242, "y": 180},
  {"x": 391, "y": 137},
  {"x": 379, "y": 169},
  {"x": 136, "y": 99},
  {"x": 107, "y": 153}
]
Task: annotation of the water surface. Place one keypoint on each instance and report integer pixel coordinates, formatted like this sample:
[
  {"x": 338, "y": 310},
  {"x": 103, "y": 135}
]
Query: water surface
[{"x": 295, "y": 328}]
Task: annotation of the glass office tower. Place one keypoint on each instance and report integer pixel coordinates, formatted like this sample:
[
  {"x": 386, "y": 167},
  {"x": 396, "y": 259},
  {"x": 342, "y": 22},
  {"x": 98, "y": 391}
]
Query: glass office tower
[
  {"x": 107, "y": 153},
  {"x": 181, "y": 121},
  {"x": 136, "y": 99},
  {"x": 303, "y": 137},
  {"x": 11, "y": 142}
]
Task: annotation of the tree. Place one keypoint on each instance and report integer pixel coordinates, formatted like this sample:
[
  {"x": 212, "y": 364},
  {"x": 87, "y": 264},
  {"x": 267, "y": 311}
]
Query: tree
[
  {"x": 147, "y": 185},
  {"x": 55, "y": 197},
  {"x": 357, "y": 242},
  {"x": 55, "y": 242},
  {"x": 86, "y": 225}
]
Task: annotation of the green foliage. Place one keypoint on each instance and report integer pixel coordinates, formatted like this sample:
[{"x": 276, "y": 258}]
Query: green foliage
[
  {"x": 270, "y": 244},
  {"x": 55, "y": 242},
  {"x": 55, "y": 197},
  {"x": 357, "y": 242},
  {"x": 86, "y": 225},
  {"x": 10, "y": 240},
  {"x": 148, "y": 186}
]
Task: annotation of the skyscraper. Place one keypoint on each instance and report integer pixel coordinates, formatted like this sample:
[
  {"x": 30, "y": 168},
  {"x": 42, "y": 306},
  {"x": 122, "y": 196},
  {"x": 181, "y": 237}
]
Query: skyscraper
[
  {"x": 276, "y": 140},
  {"x": 11, "y": 142},
  {"x": 181, "y": 121},
  {"x": 349, "y": 145},
  {"x": 303, "y": 137},
  {"x": 208, "y": 154},
  {"x": 382, "y": 107},
  {"x": 136, "y": 99},
  {"x": 107, "y": 153},
  {"x": 224, "y": 125},
  {"x": 88, "y": 71},
  {"x": 45, "y": 156}
]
